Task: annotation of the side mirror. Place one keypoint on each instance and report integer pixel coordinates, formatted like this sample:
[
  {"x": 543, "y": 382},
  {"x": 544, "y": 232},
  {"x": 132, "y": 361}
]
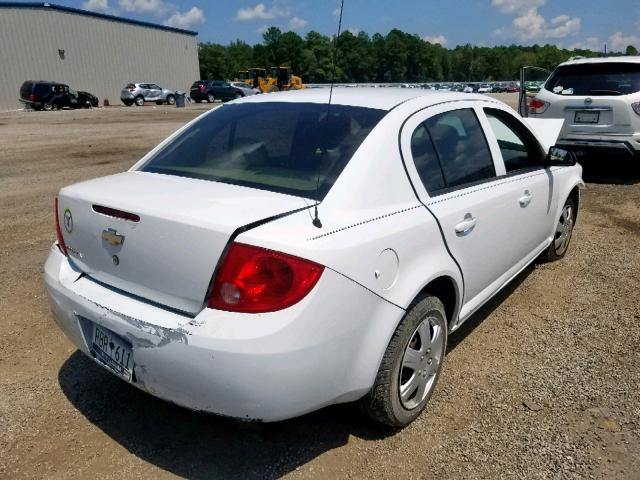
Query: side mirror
[{"x": 560, "y": 157}]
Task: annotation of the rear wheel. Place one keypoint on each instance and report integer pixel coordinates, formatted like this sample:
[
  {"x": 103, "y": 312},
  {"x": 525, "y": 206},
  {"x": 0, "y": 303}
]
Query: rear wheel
[
  {"x": 238, "y": 95},
  {"x": 211, "y": 98},
  {"x": 47, "y": 107},
  {"x": 273, "y": 88},
  {"x": 139, "y": 100},
  {"x": 411, "y": 365},
  {"x": 563, "y": 232},
  {"x": 159, "y": 102},
  {"x": 128, "y": 103},
  {"x": 171, "y": 99}
]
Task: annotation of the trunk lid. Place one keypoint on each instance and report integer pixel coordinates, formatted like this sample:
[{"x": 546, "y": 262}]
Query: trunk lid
[{"x": 169, "y": 255}]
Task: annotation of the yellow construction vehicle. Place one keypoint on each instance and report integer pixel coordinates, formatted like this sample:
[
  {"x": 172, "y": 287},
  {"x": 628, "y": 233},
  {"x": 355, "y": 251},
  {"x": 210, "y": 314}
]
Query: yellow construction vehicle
[
  {"x": 256, "y": 76},
  {"x": 243, "y": 76},
  {"x": 280, "y": 79}
]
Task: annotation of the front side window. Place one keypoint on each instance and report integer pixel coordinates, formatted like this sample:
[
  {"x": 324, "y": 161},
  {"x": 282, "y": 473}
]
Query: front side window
[
  {"x": 461, "y": 147},
  {"x": 294, "y": 148},
  {"x": 519, "y": 148}
]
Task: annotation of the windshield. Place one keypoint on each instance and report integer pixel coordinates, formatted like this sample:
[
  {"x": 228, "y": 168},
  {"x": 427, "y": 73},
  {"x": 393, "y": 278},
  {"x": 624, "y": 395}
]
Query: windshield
[
  {"x": 292, "y": 148},
  {"x": 595, "y": 79}
]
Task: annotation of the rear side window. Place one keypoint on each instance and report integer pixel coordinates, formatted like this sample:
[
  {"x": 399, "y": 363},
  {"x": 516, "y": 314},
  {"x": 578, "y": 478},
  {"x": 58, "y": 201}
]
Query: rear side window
[
  {"x": 461, "y": 147},
  {"x": 40, "y": 89},
  {"x": 292, "y": 148},
  {"x": 426, "y": 160},
  {"x": 520, "y": 149},
  {"x": 595, "y": 79}
]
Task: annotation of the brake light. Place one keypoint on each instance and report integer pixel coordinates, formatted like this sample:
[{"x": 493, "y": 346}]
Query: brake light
[
  {"x": 256, "y": 280},
  {"x": 32, "y": 98},
  {"x": 202, "y": 87},
  {"x": 538, "y": 106},
  {"x": 636, "y": 107},
  {"x": 61, "y": 245}
]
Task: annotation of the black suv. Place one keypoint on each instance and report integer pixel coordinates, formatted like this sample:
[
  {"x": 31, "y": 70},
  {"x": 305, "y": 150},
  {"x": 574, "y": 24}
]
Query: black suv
[
  {"x": 44, "y": 95},
  {"x": 212, "y": 90}
]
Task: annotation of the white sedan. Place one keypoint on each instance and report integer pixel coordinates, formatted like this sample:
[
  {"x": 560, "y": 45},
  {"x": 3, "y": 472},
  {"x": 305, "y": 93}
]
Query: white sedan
[{"x": 279, "y": 254}]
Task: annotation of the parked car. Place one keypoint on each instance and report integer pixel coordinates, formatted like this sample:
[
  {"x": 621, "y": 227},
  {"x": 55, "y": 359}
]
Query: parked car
[
  {"x": 245, "y": 89},
  {"x": 485, "y": 88},
  {"x": 46, "y": 95},
  {"x": 468, "y": 89},
  {"x": 212, "y": 90},
  {"x": 513, "y": 88},
  {"x": 252, "y": 266},
  {"x": 139, "y": 93},
  {"x": 599, "y": 100}
]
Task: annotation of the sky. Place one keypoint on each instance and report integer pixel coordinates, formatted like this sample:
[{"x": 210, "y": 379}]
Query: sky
[{"x": 566, "y": 23}]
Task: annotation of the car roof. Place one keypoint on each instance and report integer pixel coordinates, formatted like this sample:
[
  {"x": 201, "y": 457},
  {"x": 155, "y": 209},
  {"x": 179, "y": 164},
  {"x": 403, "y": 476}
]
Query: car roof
[
  {"x": 368, "y": 97},
  {"x": 626, "y": 59}
]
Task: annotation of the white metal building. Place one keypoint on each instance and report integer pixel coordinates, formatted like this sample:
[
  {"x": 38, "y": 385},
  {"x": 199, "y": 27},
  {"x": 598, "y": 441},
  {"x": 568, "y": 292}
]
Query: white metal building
[{"x": 89, "y": 51}]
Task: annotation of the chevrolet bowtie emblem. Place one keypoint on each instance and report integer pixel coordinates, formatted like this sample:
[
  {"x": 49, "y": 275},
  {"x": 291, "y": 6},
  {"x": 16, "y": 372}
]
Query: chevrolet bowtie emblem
[{"x": 111, "y": 236}]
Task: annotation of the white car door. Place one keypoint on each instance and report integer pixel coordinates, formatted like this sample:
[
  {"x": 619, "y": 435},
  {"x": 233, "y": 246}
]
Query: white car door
[
  {"x": 530, "y": 180},
  {"x": 459, "y": 176}
]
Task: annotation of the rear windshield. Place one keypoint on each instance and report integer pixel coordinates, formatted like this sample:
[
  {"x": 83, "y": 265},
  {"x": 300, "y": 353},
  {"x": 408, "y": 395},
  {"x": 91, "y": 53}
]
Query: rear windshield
[
  {"x": 25, "y": 89},
  {"x": 198, "y": 83},
  {"x": 293, "y": 148},
  {"x": 595, "y": 79},
  {"x": 130, "y": 85}
]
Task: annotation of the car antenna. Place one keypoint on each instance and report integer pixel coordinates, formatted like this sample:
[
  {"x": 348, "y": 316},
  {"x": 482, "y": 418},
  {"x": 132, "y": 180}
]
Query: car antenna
[{"x": 316, "y": 220}]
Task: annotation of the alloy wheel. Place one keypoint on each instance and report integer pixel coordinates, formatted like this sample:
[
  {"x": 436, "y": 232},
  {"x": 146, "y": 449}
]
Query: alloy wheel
[
  {"x": 421, "y": 362},
  {"x": 563, "y": 230}
]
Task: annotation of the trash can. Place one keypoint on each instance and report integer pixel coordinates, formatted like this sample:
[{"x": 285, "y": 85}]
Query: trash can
[{"x": 180, "y": 99}]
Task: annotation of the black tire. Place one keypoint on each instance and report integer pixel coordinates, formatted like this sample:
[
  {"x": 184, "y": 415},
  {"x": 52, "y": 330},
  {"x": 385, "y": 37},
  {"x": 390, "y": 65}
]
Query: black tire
[
  {"x": 198, "y": 101},
  {"x": 128, "y": 103},
  {"x": 159, "y": 102},
  {"x": 563, "y": 232},
  {"x": 139, "y": 100},
  {"x": 273, "y": 88},
  {"x": 238, "y": 95},
  {"x": 383, "y": 402},
  {"x": 171, "y": 100},
  {"x": 211, "y": 98},
  {"x": 48, "y": 107}
]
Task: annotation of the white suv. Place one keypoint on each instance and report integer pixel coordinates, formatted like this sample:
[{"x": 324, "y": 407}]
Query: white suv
[{"x": 599, "y": 99}]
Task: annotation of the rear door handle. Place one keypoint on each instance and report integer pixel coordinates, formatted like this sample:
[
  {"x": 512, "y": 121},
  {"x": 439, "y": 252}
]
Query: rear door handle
[
  {"x": 525, "y": 199},
  {"x": 466, "y": 225}
]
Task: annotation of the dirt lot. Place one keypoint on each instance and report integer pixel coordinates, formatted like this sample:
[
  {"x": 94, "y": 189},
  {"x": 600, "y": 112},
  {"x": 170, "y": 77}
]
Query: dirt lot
[{"x": 542, "y": 383}]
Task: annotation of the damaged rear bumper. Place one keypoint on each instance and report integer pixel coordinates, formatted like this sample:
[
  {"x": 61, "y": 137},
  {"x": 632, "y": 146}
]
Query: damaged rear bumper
[{"x": 326, "y": 349}]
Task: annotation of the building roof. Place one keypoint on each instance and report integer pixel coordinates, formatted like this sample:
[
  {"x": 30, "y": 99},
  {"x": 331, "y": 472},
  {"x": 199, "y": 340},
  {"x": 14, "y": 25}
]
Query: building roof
[
  {"x": 104, "y": 16},
  {"x": 385, "y": 98}
]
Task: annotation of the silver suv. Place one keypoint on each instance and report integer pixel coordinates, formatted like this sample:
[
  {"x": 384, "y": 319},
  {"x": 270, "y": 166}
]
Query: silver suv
[
  {"x": 139, "y": 93},
  {"x": 599, "y": 100}
]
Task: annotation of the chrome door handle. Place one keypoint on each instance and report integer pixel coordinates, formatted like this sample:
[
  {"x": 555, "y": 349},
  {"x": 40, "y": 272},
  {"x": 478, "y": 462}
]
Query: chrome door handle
[
  {"x": 525, "y": 199},
  {"x": 466, "y": 225}
]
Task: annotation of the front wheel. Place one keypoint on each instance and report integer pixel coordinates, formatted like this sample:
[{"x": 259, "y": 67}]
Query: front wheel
[
  {"x": 411, "y": 365},
  {"x": 171, "y": 100},
  {"x": 563, "y": 232}
]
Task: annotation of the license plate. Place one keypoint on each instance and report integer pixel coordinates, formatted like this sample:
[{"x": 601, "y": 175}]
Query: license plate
[
  {"x": 587, "y": 117},
  {"x": 113, "y": 352}
]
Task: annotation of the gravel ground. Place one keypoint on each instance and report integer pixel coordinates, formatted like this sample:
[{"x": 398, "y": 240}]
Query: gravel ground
[{"x": 542, "y": 383}]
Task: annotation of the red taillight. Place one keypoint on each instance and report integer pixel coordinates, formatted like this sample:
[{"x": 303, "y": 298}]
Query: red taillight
[
  {"x": 61, "y": 244},
  {"x": 538, "y": 106},
  {"x": 32, "y": 98},
  {"x": 202, "y": 87},
  {"x": 255, "y": 280}
]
